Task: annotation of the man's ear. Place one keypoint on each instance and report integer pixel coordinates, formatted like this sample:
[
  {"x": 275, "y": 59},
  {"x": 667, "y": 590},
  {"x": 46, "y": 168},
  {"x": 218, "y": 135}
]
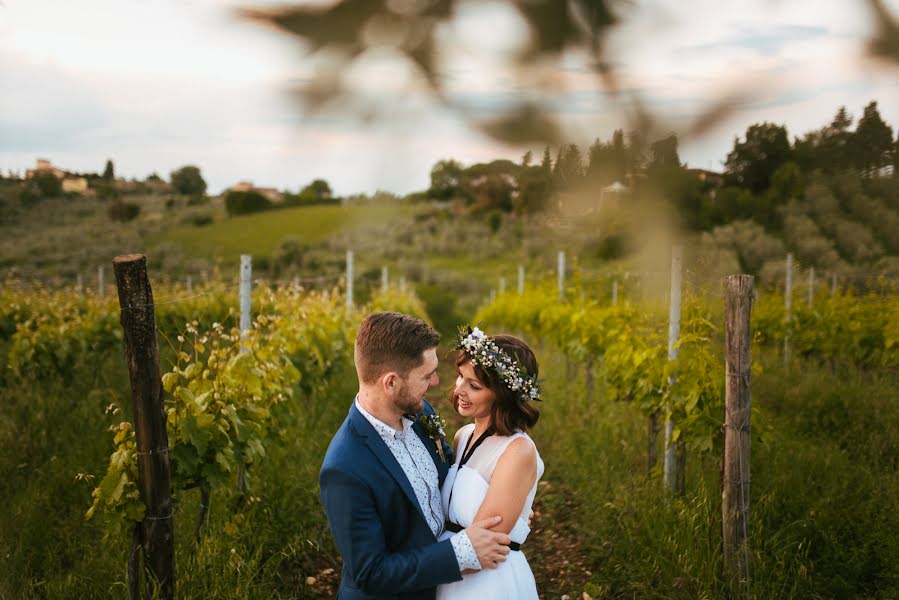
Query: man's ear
[{"x": 390, "y": 381}]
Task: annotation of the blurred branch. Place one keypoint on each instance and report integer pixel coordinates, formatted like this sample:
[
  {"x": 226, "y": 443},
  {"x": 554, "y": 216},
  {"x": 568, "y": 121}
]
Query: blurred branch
[
  {"x": 343, "y": 32},
  {"x": 885, "y": 43}
]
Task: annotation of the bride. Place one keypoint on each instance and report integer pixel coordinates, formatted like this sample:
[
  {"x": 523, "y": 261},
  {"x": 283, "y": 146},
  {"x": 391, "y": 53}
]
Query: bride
[{"x": 497, "y": 466}]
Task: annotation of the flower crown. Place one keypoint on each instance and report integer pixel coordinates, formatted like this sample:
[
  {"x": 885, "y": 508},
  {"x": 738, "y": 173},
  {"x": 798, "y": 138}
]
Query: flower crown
[{"x": 486, "y": 354}]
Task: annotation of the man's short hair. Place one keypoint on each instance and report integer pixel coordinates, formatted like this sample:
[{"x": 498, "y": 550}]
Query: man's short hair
[{"x": 391, "y": 341}]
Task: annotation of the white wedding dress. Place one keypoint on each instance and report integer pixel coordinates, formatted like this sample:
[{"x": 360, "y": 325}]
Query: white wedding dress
[{"x": 513, "y": 579}]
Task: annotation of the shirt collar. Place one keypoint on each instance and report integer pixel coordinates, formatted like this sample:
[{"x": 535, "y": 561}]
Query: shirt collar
[{"x": 384, "y": 430}]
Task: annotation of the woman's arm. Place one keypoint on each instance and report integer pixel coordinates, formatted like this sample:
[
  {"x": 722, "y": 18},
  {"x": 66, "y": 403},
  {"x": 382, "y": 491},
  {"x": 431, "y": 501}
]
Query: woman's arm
[{"x": 513, "y": 478}]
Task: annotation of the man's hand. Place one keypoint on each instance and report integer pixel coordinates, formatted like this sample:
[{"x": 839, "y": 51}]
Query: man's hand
[{"x": 490, "y": 546}]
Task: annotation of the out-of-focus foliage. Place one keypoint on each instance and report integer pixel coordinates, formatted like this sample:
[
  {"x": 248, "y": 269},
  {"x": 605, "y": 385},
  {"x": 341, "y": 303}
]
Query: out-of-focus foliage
[
  {"x": 188, "y": 180},
  {"x": 341, "y": 35},
  {"x": 245, "y": 202}
]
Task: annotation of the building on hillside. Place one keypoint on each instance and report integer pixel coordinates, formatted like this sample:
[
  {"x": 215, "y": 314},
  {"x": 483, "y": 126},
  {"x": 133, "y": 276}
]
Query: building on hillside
[
  {"x": 242, "y": 186},
  {"x": 710, "y": 177},
  {"x": 74, "y": 185},
  {"x": 43, "y": 165},
  {"x": 71, "y": 184},
  {"x": 610, "y": 195},
  {"x": 272, "y": 194}
]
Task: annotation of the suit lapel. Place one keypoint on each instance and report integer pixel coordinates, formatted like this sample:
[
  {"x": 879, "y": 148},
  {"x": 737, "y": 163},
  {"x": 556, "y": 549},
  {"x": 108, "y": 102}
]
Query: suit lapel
[
  {"x": 442, "y": 467},
  {"x": 377, "y": 446}
]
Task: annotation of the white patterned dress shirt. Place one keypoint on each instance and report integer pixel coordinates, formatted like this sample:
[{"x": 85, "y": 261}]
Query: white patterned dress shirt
[{"x": 420, "y": 470}]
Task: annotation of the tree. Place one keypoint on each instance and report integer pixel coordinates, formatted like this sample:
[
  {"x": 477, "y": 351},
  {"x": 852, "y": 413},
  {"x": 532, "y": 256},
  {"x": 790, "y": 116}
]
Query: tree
[
  {"x": 786, "y": 183},
  {"x": 527, "y": 158},
  {"x": 46, "y": 184},
  {"x": 569, "y": 169},
  {"x": 533, "y": 190},
  {"x": 872, "y": 142},
  {"x": 446, "y": 179},
  {"x": 751, "y": 163},
  {"x": 547, "y": 163},
  {"x": 123, "y": 211},
  {"x": 188, "y": 180},
  {"x": 664, "y": 154},
  {"x": 493, "y": 192},
  {"x": 243, "y": 203},
  {"x": 619, "y": 156},
  {"x": 109, "y": 172},
  {"x": 319, "y": 190},
  {"x": 896, "y": 158}
]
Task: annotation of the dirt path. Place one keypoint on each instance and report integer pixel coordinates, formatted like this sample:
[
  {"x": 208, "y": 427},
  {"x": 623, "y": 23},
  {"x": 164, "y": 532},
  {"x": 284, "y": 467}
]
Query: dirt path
[{"x": 554, "y": 546}]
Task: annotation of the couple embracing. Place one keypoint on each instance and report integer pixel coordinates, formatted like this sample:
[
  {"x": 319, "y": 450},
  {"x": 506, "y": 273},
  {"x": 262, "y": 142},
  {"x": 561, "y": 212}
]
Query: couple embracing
[{"x": 413, "y": 516}]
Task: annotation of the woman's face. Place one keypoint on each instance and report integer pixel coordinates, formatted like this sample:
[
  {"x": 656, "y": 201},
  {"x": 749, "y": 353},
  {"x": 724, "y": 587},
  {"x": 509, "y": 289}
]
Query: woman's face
[{"x": 474, "y": 400}]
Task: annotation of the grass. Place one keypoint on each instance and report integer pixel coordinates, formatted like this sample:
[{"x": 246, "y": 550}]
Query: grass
[
  {"x": 823, "y": 518},
  {"x": 824, "y": 489},
  {"x": 260, "y": 234}
]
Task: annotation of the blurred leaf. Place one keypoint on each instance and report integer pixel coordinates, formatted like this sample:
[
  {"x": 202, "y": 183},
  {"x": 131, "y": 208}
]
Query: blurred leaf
[
  {"x": 885, "y": 44},
  {"x": 525, "y": 125},
  {"x": 340, "y": 24}
]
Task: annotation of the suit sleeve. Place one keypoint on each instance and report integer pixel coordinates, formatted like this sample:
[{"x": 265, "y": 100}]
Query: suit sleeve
[{"x": 359, "y": 533}]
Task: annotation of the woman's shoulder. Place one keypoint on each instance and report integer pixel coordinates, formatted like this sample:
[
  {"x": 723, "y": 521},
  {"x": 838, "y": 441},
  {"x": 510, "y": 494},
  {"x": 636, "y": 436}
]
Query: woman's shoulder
[{"x": 519, "y": 443}]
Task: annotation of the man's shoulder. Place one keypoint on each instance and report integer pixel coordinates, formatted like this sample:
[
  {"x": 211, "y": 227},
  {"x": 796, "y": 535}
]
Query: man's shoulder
[{"x": 347, "y": 450}]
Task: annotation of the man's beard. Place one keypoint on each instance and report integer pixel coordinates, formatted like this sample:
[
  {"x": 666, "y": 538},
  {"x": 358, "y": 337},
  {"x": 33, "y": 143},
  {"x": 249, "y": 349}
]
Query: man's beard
[{"x": 408, "y": 402}]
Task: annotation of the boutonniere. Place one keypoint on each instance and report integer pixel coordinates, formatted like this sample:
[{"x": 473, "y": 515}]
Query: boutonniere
[{"x": 433, "y": 426}]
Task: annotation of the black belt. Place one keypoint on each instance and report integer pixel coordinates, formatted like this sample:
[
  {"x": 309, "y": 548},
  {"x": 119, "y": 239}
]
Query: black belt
[{"x": 456, "y": 528}]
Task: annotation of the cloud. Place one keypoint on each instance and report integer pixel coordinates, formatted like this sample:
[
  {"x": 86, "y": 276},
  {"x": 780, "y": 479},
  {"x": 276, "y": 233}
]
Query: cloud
[{"x": 769, "y": 41}]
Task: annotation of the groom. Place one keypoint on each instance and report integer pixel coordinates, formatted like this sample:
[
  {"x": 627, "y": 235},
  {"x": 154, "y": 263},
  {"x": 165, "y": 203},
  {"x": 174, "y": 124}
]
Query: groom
[{"x": 380, "y": 480}]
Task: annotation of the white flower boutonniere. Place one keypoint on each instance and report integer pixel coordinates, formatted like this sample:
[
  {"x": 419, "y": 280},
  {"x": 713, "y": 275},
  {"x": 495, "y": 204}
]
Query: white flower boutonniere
[{"x": 434, "y": 427}]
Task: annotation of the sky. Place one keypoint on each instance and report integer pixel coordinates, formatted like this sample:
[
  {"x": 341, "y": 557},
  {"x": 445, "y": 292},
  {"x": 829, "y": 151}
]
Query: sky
[{"x": 157, "y": 84}]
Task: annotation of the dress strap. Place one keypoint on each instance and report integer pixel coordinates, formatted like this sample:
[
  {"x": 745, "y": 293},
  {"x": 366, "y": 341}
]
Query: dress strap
[{"x": 466, "y": 454}]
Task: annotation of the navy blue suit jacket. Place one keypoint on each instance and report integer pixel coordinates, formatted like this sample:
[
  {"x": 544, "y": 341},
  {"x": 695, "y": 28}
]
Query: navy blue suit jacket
[{"x": 387, "y": 546}]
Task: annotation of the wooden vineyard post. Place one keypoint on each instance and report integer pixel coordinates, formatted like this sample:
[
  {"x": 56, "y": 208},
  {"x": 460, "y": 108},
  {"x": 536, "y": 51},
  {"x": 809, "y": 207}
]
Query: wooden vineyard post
[
  {"x": 561, "y": 275},
  {"x": 246, "y": 321},
  {"x": 246, "y": 285},
  {"x": 349, "y": 282},
  {"x": 520, "y": 280},
  {"x": 788, "y": 297},
  {"x": 670, "y": 462},
  {"x": 156, "y": 532},
  {"x": 811, "y": 288},
  {"x": 735, "y": 476}
]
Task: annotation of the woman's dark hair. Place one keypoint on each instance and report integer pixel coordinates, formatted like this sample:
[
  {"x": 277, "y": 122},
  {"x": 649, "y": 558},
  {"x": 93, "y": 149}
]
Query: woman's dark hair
[{"x": 510, "y": 412}]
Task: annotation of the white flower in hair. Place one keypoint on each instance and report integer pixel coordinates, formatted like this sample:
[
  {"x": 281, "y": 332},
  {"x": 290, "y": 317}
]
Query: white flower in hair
[{"x": 485, "y": 353}]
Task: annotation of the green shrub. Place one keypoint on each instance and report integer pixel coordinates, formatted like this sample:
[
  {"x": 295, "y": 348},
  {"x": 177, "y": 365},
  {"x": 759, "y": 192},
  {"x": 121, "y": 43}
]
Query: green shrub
[
  {"x": 200, "y": 220},
  {"x": 123, "y": 211},
  {"x": 243, "y": 203},
  {"x": 48, "y": 184}
]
